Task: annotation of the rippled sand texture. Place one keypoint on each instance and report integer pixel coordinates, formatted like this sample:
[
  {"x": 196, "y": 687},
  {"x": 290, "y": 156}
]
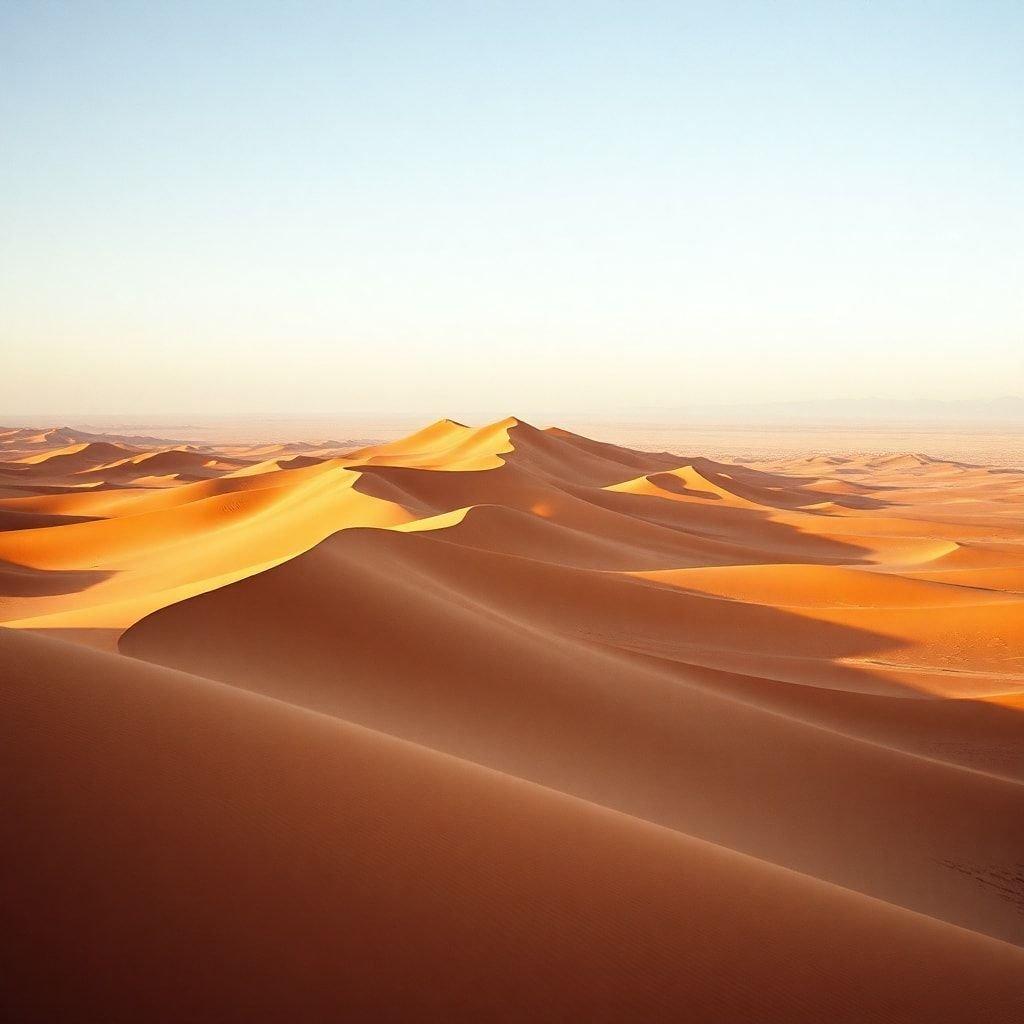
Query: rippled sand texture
[{"x": 503, "y": 723}]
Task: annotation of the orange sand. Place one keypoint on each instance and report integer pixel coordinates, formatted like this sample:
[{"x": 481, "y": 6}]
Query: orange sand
[{"x": 503, "y": 723}]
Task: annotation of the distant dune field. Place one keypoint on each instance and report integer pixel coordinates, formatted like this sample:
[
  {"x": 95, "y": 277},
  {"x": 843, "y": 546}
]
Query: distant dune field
[
  {"x": 999, "y": 446},
  {"x": 502, "y": 723}
]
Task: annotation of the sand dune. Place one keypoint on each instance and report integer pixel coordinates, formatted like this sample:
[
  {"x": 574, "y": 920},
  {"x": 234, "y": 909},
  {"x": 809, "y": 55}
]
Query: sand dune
[{"x": 507, "y": 723}]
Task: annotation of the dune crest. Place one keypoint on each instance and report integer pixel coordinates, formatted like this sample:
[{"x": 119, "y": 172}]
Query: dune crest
[{"x": 503, "y": 722}]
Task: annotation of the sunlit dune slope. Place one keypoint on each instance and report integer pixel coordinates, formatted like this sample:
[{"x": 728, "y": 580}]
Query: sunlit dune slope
[{"x": 503, "y": 723}]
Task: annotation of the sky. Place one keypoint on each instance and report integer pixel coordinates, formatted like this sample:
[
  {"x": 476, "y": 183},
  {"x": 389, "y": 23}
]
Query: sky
[{"x": 477, "y": 209}]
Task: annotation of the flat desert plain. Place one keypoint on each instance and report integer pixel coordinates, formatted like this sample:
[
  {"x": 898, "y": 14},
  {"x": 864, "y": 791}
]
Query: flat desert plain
[{"x": 504, "y": 723}]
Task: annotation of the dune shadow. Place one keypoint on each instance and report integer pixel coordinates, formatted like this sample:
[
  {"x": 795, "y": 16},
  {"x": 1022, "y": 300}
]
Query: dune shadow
[
  {"x": 23, "y": 581},
  {"x": 651, "y": 527},
  {"x": 97, "y": 637},
  {"x": 670, "y": 482},
  {"x": 757, "y": 536},
  {"x": 605, "y": 687},
  {"x": 17, "y": 519}
]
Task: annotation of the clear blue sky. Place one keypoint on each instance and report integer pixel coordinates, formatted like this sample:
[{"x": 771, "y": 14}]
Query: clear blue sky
[{"x": 476, "y": 208}]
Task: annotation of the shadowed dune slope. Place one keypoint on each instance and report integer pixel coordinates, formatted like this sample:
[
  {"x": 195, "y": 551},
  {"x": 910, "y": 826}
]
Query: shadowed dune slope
[
  {"x": 222, "y": 856},
  {"x": 531, "y": 668}
]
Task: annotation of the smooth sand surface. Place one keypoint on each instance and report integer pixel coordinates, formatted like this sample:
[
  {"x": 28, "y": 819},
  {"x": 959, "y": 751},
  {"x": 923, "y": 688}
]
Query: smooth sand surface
[{"x": 500, "y": 723}]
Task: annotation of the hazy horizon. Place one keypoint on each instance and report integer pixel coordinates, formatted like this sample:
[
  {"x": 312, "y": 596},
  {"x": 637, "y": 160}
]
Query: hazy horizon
[{"x": 1003, "y": 412}]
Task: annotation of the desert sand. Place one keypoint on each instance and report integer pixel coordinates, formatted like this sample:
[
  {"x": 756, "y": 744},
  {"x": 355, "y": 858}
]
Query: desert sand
[{"x": 503, "y": 723}]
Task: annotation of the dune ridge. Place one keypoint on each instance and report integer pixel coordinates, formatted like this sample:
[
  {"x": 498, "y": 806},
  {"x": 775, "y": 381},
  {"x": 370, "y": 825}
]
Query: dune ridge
[{"x": 507, "y": 722}]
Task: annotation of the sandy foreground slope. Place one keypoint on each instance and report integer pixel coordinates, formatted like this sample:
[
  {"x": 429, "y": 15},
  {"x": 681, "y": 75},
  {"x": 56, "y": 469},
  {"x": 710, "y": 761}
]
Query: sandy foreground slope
[{"x": 502, "y": 723}]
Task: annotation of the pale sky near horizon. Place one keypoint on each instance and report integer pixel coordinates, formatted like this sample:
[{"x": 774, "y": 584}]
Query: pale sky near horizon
[{"x": 472, "y": 209}]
